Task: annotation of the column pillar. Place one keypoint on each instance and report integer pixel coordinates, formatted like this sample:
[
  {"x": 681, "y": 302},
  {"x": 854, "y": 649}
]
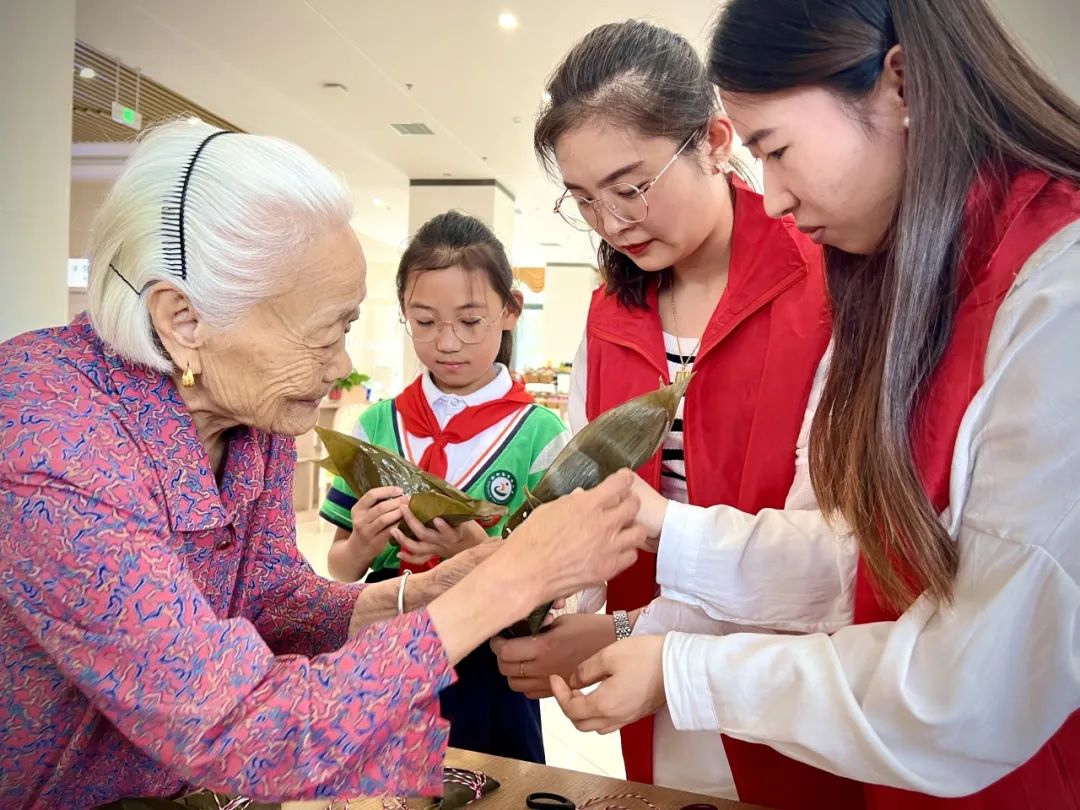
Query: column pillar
[
  {"x": 37, "y": 45},
  {"x": 487, "y": 200}
]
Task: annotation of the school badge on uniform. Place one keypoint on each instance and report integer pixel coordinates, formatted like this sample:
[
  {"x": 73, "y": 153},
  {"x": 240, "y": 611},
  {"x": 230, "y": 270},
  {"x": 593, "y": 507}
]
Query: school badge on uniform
[{"x": 500, "y": 487}]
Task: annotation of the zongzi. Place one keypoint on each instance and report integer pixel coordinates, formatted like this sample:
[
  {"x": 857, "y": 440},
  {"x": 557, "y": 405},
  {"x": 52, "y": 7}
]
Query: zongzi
[
  {"x": 628, "y": 435},
  {"x": 462, "y": 787},
  {"x": 365, "y": 466}
]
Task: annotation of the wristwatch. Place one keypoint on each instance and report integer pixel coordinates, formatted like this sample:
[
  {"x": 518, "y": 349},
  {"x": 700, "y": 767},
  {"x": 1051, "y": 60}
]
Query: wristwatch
[{"x": 622, "y": 625}]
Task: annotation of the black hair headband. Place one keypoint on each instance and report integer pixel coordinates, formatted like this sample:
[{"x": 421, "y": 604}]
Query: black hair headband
[{"x": 173, "y": 248}]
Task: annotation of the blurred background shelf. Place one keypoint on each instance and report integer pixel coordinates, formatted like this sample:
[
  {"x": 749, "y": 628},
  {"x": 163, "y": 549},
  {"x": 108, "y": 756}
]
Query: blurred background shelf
[{"x": 310, "y": 480}]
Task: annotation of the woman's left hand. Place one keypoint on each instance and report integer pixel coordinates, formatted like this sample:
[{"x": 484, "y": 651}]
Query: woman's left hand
[
  {"x": 652, "y": 513},
  {"x": 630, "y": 674},
  {"x": 441, "y": 540}
]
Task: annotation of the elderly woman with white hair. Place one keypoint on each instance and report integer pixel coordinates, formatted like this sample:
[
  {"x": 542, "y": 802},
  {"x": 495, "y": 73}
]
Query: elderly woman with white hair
[{"x": 161, "y": 630}]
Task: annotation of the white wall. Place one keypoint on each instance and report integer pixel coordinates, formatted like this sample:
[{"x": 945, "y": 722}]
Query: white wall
[
  {"x": 1050, "y": 31},
  {"x": 36, "y": 44},
  {"x": 86, "y": 198},
  {"x": 486, "y": 203},
  {"x": 567, "y": 292},
  {"x": 376, "y": 339}
]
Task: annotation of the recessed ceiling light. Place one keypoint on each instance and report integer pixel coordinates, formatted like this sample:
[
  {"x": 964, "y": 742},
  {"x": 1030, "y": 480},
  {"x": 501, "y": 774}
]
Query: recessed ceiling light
[
  {"x": 508, "y": 21},
  {"x": 378, "y": 203},
  {"x": 87, "y": 73}
]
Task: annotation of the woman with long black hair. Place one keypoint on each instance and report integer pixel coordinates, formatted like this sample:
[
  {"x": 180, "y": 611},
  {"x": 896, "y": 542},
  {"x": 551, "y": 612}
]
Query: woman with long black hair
[{"x": 941, "y": 170}]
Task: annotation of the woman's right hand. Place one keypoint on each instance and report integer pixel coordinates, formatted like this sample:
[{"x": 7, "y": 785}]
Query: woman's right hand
[{"x": 528, "y": 663}]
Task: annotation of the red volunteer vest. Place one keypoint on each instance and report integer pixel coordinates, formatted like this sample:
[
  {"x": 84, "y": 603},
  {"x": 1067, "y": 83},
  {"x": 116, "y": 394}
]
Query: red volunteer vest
[
  {"x": 1007, "y": 223},
  {"x": 744, "y": 409}
]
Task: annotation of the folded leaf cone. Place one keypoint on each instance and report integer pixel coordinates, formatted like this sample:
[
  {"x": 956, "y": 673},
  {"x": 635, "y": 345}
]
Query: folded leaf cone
[
  {"x": 365, "y": 466},
  {"x": 626, "y": 436},
  {"x": 460, "y": 788}
]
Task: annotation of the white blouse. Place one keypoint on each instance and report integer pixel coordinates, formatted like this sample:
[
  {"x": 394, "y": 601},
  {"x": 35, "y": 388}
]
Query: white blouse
[
  {"x": 948, "y": 698},
  {"x": 696, "y": 761}
]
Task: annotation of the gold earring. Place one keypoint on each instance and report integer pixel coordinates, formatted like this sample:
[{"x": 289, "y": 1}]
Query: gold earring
[{"x": 188, "y": 378}]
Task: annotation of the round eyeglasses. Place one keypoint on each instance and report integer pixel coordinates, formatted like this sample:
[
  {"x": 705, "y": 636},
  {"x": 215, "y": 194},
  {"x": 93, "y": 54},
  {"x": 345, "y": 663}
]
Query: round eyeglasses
[
  {"x": 624, "y": 201},
  {"x": 472, "y": 329}
]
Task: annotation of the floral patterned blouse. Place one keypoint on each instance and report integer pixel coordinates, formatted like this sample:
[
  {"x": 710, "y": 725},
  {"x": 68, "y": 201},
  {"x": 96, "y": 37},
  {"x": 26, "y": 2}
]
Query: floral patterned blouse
[{"x": 161, "y": 631}]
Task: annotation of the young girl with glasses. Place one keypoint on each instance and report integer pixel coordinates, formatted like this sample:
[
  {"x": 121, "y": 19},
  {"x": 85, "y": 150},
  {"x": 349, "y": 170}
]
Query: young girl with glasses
[
  {"x": 697, "y": 277},
  {"x": 463, "y": 420}
]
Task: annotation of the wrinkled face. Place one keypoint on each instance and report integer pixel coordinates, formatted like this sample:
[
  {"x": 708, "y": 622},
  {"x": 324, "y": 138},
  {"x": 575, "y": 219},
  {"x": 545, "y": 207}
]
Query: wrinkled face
[
  {"x": 837, "y": 169},
  {"x": 680, "y": 218},
  {"x": 447, "y": 310},
  {"x": 272, "y": 368}
]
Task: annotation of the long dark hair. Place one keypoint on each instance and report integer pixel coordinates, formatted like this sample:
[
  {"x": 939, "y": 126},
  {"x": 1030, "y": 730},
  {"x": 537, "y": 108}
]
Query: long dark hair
[
  {"x": 633, "y": 74},
  {"x": 455, "y": 239},
  {"x": 975, "y": 102}
]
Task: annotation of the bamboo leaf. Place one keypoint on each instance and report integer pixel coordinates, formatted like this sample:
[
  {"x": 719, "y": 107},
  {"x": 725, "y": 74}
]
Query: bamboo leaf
[{"x": 365, "y": 466}]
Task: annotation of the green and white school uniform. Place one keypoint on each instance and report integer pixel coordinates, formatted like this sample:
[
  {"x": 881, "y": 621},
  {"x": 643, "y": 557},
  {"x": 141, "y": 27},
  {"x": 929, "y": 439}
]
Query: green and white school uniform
[{"x": 496, "y": 465}]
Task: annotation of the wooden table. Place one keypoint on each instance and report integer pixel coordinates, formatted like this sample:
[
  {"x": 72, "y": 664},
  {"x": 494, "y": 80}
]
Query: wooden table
[{"x": 519, "y": 779}]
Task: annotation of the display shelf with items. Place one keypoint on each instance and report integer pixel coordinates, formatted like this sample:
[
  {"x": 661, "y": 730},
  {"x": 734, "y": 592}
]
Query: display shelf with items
[
  {"x": 550, "y": 387},
  {"x": 338, "y": 412},
  {"x": 307, "y": 493}
]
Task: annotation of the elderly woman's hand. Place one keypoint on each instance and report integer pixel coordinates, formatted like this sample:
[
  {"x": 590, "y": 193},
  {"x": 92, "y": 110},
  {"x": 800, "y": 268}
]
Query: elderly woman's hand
[
  {"x": 582, "y": 539},
  {"x": 450, "y": 572},
  {"x": 379, "y": 601},
  {"x": 578, "y": 540}
]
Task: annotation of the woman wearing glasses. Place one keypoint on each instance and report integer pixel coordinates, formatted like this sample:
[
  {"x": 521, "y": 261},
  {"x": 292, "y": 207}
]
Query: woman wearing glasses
[
  {"x": 465, "y": 421},
  {"x": 942, "y": 170},
  {"x": 697, "y": 277}
]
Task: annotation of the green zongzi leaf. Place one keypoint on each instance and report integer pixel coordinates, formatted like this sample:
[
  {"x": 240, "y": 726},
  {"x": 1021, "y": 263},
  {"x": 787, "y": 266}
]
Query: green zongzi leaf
[
  {"x": 627, "y": 436},
  {"x": 365, "y": 466}
]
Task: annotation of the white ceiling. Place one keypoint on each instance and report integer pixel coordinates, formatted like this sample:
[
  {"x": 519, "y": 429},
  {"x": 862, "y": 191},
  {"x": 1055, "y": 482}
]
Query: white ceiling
[{"x": 262, "y": 63}]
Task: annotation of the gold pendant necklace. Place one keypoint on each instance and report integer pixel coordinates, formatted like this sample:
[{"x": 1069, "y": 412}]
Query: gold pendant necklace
[{"x": 684, "y": 360}]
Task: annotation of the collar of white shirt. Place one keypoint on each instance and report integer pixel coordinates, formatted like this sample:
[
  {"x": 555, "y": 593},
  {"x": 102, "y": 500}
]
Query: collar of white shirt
[{"x": 447, "y": 406}]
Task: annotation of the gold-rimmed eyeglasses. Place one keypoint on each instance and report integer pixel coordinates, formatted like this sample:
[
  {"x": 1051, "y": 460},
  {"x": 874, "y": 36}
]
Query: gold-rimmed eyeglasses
[
  {"x": 468, "y": 329},
  {"x": 625, "y": 201}
]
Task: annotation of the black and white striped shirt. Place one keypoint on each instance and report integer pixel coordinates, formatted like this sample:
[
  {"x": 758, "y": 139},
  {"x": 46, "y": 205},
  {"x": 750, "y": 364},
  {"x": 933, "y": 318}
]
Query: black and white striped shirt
[{"x": 673, "y": 467}]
